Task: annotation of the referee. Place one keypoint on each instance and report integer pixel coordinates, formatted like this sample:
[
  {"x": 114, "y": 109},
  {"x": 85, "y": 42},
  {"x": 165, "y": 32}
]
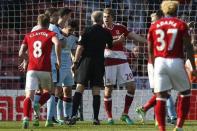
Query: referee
[{"x": 88, "y": 63}]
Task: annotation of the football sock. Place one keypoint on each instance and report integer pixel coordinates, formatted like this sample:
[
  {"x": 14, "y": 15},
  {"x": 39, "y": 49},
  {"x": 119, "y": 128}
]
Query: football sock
[
  {"x": 59, "y": 109},
  {"x": 27, "y": 107},
  {"x": 51, "y": 107},
  {"x": 44, "y": 98},
  {"x": 160, "y": 112},
  {"x": 150, "y": 103},
  {"x": 108, "y": 106},
  {"x": 96, "y": 105},
  {"x": 76, "y": 101},
  {"x": 128, "y": 101},
  {"x": 67, "y": 106},
  {"x": 183, "y": 105}
]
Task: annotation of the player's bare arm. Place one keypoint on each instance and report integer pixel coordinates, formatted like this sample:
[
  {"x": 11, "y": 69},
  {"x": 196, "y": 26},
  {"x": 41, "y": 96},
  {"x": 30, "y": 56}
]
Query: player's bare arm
[
  {"x": 57, "y": 44},
  {"x": 190, "y": 52},
  {"x": 78, "y": 53},
  {"x": 136, "y": 37},
  {"x": 23, "y": 58}
]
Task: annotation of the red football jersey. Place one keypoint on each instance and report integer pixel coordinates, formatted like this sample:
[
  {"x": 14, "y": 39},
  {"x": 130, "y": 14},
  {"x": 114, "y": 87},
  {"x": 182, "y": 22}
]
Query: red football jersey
[
  {"x": 166, "y": 35},
  {"x": 39, "y": 49},
  {"x": 117, "y": 52},
  {"x": 116, "y": 31}
]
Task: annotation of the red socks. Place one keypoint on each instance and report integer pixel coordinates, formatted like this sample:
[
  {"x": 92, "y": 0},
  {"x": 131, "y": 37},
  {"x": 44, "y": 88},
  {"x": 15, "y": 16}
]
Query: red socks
[
  {"x": 150, "y": 103},
  {"x": 160, "y": 112},
  {"x": 183, "y": 109},
  {"x": 27, "y": 107},
  {"x": 108, "y": 106},
  {"x": 128, "y": 101},
  {"x": 44, "y": 98}
]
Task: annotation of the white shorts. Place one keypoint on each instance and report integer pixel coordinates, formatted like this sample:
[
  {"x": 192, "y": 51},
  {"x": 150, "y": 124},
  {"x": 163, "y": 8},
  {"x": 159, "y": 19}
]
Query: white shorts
[
  {"x": 170, "y": 73},
  {"x": 151, "y": 75},
  {"x": 118, "y": 73},
  {"x": 38, "y": 79}
]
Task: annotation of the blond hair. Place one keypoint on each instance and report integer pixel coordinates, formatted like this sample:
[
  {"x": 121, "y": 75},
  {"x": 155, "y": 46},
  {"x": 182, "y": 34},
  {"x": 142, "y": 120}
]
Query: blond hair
[
  {"x": 169, "y": 7},
  {"x": 97, "y": 16}
]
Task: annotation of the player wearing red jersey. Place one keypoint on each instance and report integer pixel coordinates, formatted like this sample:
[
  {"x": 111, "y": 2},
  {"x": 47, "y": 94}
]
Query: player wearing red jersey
[
  {"x": 152, "y": 101},
  {"x": 39, "y": 46},
  {"x": 166, "y": 39},
  {"x": 117, "y": 70}
]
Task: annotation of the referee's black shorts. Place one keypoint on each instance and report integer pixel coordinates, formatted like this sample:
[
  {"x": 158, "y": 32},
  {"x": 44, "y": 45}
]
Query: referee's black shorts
[{"x": 90, "y": 69}]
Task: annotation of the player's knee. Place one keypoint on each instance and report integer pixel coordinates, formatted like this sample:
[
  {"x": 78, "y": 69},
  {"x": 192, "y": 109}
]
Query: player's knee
[
  {"x": 163, "y": 94},
  {"x": 58, "y": 92},
  {"x": 29, "y": 94},
  {"x": 96, "y": 91},
  {"x": 108, "y": 91},
  {"x": 80, "y": 88},
  {"x": 187, "y": 92},
  {"x": 130, "y": 87},
  {"x": 45, "y": 91},
  {"x": 67, "y": 91}
]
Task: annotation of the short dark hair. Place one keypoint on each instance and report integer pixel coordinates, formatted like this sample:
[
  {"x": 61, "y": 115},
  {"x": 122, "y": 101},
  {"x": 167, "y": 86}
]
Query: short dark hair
[
  {"x": 72, "y": 24},
  {"x": 43, "y": 20},
  {"x": 64, "y": 11},
  {"x": 159, "y": 13},
  {"x": 50, "y": 11}
]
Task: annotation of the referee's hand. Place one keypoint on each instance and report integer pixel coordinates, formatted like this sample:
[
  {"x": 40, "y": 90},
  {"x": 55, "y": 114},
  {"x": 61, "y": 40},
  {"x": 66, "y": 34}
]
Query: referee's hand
[
  {"x": 194, "y": 73},
  {"x": 57, "y": 65}
]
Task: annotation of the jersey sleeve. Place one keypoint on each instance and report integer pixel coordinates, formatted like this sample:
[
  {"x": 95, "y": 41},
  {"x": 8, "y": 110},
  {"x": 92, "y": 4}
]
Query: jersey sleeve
[
  {"x": 53, "y": 34},
  {"x": 150, "y": 35},
  {"x": 56, "y": 30}
]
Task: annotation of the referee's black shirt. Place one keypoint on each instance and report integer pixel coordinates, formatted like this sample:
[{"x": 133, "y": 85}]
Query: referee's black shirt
[{"x": 94, "y": 41}]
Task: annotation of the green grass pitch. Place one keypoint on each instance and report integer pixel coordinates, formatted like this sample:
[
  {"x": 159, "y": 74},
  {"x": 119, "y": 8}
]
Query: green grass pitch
[{"x": 87, "y": 126}]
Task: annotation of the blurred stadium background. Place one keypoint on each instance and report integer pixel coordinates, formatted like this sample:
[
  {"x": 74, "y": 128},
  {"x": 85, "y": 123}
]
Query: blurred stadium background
[{"x": 17, "y": 17}]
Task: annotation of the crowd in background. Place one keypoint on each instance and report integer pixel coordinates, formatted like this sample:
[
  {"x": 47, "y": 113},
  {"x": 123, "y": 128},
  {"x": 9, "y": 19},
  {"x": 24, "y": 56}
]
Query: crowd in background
[{"x": 18, "y": 16}]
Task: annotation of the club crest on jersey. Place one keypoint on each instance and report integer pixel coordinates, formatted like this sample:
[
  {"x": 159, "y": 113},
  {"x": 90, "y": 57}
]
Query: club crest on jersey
[{"x": 117, "y": 32}]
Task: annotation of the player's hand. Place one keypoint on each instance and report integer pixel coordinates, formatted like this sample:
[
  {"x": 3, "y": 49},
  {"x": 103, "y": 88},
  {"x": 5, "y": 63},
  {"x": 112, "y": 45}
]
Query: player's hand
[
  {"x": 121, "y": 38},
  {"x": 23, "y": 66},
  {"x": 58, "y": 64},
  {"x": 191, "y": 24}
]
